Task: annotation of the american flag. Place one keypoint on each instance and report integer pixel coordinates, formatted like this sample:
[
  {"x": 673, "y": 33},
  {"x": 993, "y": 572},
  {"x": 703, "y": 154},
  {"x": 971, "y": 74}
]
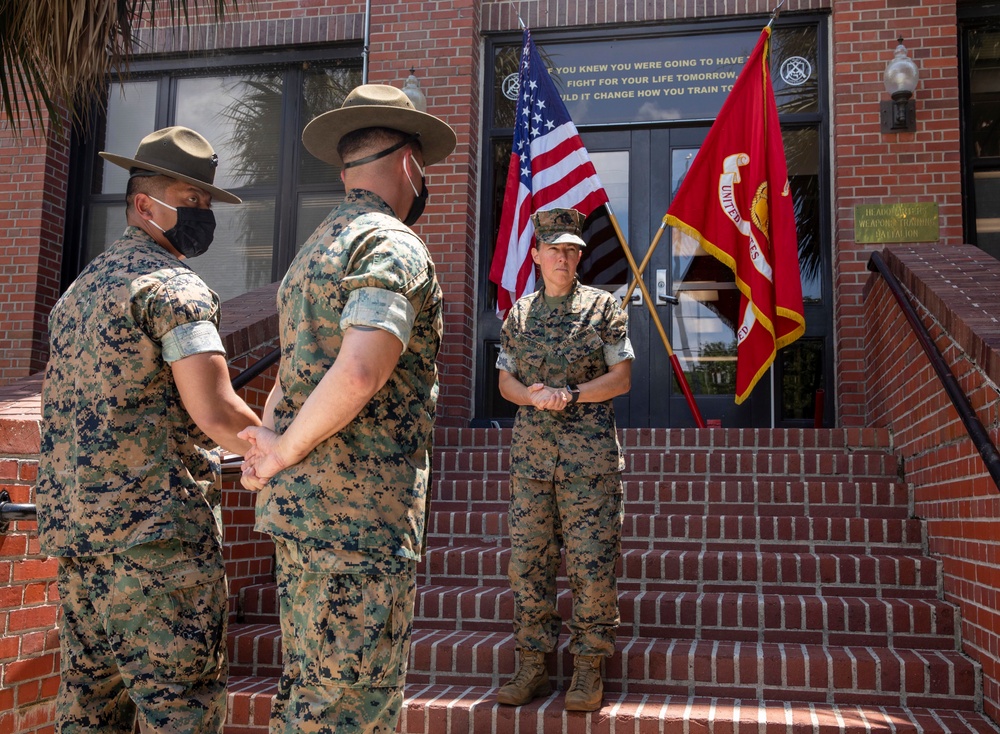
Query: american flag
[{"x": 549, "y": 168}]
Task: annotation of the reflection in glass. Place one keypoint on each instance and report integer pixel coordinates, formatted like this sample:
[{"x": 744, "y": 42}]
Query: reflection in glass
[
  {"x": 801, "y": 377},
  {"x": 987, "y": 185},
  {"x": 984, "y": 135},
  {"x": 802, "y": 159},
  {"x": 324, "y": 88},
  {"x": 704, "y": 324},
  {"x": 239, "y": 259},
  {"x": 703, "y": 332},
  {"x": 603, "y": 265},
  {"x": 107, "y": 222},
  {"x": 312, "y": 210},
  {"x": 505, "y": 66},
  {"x": 984, "y": 87},
  {"x": 131, "y": 117},
  {"x": 795, "y": 69},
  {"x": 241, "y": 117}
]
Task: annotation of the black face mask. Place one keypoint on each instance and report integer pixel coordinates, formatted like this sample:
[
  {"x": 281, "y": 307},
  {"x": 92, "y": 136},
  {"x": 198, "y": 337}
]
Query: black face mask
[
  {"x": 417, "y": 207},
  {"x": 194, "y": 231}
]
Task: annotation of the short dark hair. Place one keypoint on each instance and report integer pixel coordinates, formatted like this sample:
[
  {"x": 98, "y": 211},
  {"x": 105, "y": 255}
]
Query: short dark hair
[
  {"x": 359, "y": 143},
  {"x": 154, "y": 185}
]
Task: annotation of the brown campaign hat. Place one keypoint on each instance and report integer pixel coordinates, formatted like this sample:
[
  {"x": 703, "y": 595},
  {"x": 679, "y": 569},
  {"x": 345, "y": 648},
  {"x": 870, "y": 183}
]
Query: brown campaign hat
[
  {"x": 180, "y": 153},
  {"x": 556, "y": 226},
  {"x": 377, "y": 105}
]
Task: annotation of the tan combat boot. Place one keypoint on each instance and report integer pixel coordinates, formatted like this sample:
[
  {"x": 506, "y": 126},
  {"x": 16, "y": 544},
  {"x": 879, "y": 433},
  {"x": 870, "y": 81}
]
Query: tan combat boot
[
  {"x": 530, "y": 681},
  {"x": 586, "y": 692}
]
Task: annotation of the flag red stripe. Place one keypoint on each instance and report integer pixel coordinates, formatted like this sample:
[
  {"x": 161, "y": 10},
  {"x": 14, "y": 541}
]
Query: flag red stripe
[{"x": 548, "y": 168}]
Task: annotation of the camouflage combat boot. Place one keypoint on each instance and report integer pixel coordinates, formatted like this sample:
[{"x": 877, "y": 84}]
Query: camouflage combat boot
[
  {"x": 586, "y": 692},
  {"x": 530, "y": 681}
]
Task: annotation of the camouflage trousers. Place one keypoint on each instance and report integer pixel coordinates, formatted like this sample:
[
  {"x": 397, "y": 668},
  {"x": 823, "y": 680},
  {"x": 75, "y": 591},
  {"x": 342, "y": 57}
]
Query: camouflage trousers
[
  {"x": 584, "y": 515},
  {"x": 346, "y": 620},
  {"x": 143, "y": 635}
]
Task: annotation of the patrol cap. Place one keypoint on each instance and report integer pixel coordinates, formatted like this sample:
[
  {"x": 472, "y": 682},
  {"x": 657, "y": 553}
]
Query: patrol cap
[
  {"x": 378, "y": 105},
  {"x": 559, "y": 226},
  {"x": 180, "y": 153}
]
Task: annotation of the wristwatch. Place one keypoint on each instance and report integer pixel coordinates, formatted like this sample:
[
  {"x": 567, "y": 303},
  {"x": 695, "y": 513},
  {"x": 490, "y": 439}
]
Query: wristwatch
[{"x": 574, "y": 393}]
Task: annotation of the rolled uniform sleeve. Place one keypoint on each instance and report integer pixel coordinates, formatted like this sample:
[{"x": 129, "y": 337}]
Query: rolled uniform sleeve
[
  {"x": 620, "y": 351},
  {"x": 379, "y": 309},
  {"x": 506, "y": 363},
  {"x": 180, "y": 312},
  {"x": 197, "y": 337}
]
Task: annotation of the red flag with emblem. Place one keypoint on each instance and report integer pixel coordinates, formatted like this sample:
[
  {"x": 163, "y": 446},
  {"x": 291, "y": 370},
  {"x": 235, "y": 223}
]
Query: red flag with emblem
[{"x": 736, "y": 203}]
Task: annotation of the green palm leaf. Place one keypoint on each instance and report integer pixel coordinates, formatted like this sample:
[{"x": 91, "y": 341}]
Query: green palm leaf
[{"x": 58, "y": 55}]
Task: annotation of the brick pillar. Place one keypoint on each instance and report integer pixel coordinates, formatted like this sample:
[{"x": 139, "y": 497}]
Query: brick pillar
[
  {"x": 877, "y": 168},
  {"x": 33, "y": 176},
  {"x": 441, "y": 41}
]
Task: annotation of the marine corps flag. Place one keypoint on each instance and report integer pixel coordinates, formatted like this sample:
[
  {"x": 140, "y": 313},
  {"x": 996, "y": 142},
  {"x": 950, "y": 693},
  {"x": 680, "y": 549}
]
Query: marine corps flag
[{"x": 736, "y": 203}]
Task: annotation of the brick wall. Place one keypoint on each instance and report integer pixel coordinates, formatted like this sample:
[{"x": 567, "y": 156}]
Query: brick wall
[
  {"x": 876, "y": 168},
  {"x": 29, "y": 644},
  {"x": 954, "y": 291},
  {"x": 33, "y": 174}
]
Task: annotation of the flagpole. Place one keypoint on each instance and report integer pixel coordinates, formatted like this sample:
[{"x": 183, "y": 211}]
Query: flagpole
[
  {"x": 675, "y": 363},
  {"x": 646, "y": 259},
  {"x": 518, "y": 14},
  {"x": 774, "y": 13}
]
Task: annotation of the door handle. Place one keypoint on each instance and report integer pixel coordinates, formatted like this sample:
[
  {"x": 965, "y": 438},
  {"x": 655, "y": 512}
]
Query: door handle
[
  {"x": 635, "y": 300},
  {"x": 662, "y": 297}
]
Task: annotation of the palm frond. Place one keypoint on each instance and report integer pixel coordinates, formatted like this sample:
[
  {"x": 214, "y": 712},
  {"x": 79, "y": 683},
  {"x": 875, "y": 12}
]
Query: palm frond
[{"x": 57, "y": 55}]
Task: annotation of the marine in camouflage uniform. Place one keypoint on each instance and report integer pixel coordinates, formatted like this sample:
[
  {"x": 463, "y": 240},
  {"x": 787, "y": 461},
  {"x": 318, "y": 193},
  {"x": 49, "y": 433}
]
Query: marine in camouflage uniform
[
  {"x": 565, "y": 460},
  {"x": 348, "y": 516},
  {"x": 128, "y": 492}
]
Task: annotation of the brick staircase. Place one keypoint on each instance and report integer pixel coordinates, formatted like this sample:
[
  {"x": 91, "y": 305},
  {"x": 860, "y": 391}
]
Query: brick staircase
[{"x": 771, "y": 581}]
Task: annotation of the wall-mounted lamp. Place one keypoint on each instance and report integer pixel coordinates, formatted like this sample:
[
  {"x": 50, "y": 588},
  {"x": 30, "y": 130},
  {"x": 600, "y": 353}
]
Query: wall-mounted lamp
[
  {"x": 411, "y": 88},
  {"x": 901, "y": 78}
]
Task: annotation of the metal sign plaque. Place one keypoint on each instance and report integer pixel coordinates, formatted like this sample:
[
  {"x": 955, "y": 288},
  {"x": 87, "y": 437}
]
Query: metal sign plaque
[{"x": 909, "y": 222}]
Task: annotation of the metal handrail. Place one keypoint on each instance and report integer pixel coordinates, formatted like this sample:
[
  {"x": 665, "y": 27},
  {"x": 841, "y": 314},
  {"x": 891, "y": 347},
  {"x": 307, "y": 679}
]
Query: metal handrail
[
  {"x": 980, "y": 437},
  {"x": 243, "y": 378},
  {"x": 12, "y": 511}
]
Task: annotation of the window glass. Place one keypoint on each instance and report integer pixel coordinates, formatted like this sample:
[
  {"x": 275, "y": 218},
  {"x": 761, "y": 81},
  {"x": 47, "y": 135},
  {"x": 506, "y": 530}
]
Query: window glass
[
  {"x": 241, "y": 117},
  {"x": 602, "y": 264},
  {"x": 131, "y": 117},
  {"x": 794, "y": 62},
  {"x": 988, "y": 211},
  {"x": 324, "y": 88},
  {"x": 107, "y": 223},
  {"x": 312, "y": 210},
  {"x": 802, "y": 160},
  {"x": 254, "y": 118},
  {"x": 802, "y": 379},
  {"x": 984, "y": 136},
  {"x": 984, "y": 85},
  {"x": 239, "y": 259}
]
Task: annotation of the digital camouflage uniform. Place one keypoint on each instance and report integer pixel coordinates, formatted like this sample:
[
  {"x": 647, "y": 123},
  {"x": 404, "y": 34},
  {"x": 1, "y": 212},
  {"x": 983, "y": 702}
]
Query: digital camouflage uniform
[
  {"x": 129, "y": 499},
  {"x": 348, "y": 520},
  {"x": 565, "y": 466}
]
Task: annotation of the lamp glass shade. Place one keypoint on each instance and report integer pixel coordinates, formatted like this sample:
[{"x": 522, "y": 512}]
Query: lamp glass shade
[
  {"x": 901, "y": 74},
  {"x": 411, "y": 88}
]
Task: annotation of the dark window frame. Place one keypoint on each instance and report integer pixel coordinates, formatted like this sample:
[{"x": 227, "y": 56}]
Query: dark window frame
[{"x": 166, "y": 70}]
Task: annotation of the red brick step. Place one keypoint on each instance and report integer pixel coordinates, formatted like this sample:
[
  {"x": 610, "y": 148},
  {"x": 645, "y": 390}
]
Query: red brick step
[{"x": 463, "y": 709}]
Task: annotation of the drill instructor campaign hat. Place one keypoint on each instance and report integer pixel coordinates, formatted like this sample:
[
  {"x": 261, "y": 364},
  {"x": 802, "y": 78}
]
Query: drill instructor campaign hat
[
  {"x": 177, "y": 152},
  {"x": 377, "y": 105},
  {"x": 558, "y": 226}
]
